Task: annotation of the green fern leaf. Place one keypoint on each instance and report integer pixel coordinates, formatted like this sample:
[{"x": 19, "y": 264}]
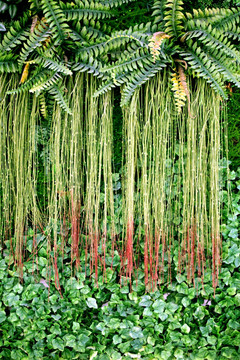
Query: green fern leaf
[
  {"x": 35, "y": 40},
  {"x": 91, "y": 51},
  {"x": 54, "y": 65},
  {"x": 123, "y": 37},
  {"x": 89, "y": 33},
  {"x": 8, "y": 63},
  {"x": 235, "y": 34},
  {"x": 138, "y": 79},
  {"x": 55, "y": 18},
  {"x": 110, "y": 84},
  {"x": 222, "y": 65},
  {"x": 130, "y": 61},
  {"x": 91, "y": 67},
  {"x": 158, "y": 13},
  {"x": 204, "y": 17},
  {"x": 58, "y": 94},
  {"x": 215, "y": 40},
  {"x": 39, "y": 77},
  {"x": 43, "y": 105},
  {"x": 173, "y": 16},
  {"x": 84, "y": 10},
  {"x": 231, "y": 19},
  {"x": 47, "y": 83},
  {"x": 114, "y": 3},
  {"x": 204, "y": 68},
  {"x": 17, "y": 33}
]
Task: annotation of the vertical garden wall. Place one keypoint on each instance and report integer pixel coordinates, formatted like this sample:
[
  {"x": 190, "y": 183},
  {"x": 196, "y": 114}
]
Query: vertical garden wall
[{"x": 119, "y": 180}]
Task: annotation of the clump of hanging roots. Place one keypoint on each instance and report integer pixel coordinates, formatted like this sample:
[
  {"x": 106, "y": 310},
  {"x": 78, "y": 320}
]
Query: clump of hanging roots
[
  {"x": 170, "y": 180},
  {"x": 18, "y": 203},
  {"x": 171, "y": 186},
  {"x": 81, "y": 156}
]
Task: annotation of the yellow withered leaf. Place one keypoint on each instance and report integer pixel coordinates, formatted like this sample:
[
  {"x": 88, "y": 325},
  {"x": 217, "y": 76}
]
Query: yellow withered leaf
[{"x": 25, "y": 73}]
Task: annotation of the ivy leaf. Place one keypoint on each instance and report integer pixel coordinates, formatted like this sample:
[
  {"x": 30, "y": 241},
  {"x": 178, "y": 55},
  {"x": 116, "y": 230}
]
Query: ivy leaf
[
  {"x": 83, "y": 339},
  {"x": 70, "y": 340},
  {"x": 58, "y": 343},
  {"x": 145, "y": 301},
  {"x": 233, "y": 233},
  {"x": 147, "y": 312},
  {"x": 211, "y": 340},
  {"x": 186, "y": 302},
  {"x": 136, "y": 333},
  {"x": 22, "y": 313},
  {"x": 92, "y": 303},
  {"x": 231, "y": 291},
  {"x": 12, "y": 10},
  {"x": 2, "y": 27},
  {"x": 2, "y": 316},
  {"x": 204, "y": 330},
  {"x": 76, "y": 327},
  {"x": 233, "y": 324},
  {"x": 172, "y": 307},
  {"x": 117, "y": 339},
  {"x": 159, "y": 306},
  {"x": 185, "y": 329}
]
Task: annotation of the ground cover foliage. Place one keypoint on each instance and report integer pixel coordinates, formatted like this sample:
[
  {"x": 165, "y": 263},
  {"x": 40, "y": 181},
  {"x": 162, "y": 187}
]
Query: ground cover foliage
[
  {"x": 82, "y": 321},
  {"x": 50, "y": 42}
]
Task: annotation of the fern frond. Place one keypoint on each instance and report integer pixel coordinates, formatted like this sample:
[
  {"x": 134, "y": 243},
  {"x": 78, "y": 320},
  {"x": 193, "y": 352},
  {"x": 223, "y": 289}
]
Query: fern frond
[
  {"x": 231, "y": 19},
  {"x": 49, "y": 82},
  {"x": 234, "y": 34},
  {"x": 54, "y": 65},
  {"x": 8, "y": 63},
  {"x": 204, "y": 17},
  {"x": 173, "y": 16},
  {"x": 204, "y": 68},
  {"x": 55, "y": 18},
  {"x": 215, "y": 40},
  {"x": 43, "y": 105},
  {"x": 17, "y": 33},
  {"x": 36, "y": 78},
  {"x": 85, "y": 10},
  {"x": 158, "y": 12},
  {"x": 35, "y": 40},
  {"x": 58, "y": 94},
  {"x": 155, "y": 43},
  {"x": 179, "y": 92},
  {"x": 123, "y": 38},
  {"x": 223, "y": 65},
  {"x": 112, "y": 3},
  {"x": 76, "y": 36},
  {"x": 85, "y": 52},
  {"x": 92, "y": 67},
  {"x": 130, "y": 61},
  {"x": 139, "y": 78},
  {"x": 111, "y": 83},
  {"x": 89, "y": 32}
]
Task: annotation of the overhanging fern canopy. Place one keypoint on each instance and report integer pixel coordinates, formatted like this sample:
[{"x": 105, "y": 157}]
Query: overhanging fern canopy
[{"x": 73, "y": 36}]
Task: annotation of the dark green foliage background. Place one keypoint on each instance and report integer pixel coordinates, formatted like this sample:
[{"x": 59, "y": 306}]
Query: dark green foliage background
[{"x": 234, "y": 128}]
